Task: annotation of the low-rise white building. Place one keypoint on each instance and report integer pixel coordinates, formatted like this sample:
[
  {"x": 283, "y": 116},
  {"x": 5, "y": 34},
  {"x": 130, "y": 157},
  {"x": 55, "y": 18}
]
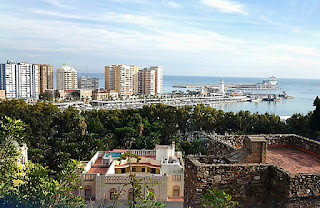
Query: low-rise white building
[{"x": 104, "y": 175}]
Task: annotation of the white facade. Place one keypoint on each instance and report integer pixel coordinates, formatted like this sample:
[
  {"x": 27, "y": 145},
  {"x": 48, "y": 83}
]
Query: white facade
[
  {"x": 105, "y": 175},
  {"x": 19, "y": 80},
  {"x": 221, "y": 90},
  {"x": 126, "y": 80},
  {"x": 159, "y": 78},
  {"x": 67, "y": 78}
]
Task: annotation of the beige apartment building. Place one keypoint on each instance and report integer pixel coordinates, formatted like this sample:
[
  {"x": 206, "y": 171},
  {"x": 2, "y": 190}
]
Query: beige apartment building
[
  {"x": 147, "y": 82},
  {"x": 2, "y": 95},
  {"x": 67, "y": 78},
  {"x": 122, "y": 79},
  {"x": 45, "y": 77},
  {"x": 104, "y": 175},
  {"x": 151, "y": 81},
  {"x": 135, "y": 79}
]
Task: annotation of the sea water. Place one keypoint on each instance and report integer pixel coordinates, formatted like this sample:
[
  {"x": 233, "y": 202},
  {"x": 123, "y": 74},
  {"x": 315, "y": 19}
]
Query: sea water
[{"x": 304, "y": 91}]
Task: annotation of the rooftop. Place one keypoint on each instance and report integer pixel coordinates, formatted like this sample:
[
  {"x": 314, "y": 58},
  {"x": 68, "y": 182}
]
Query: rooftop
[
  {"x": 96, "y": 167},
  {"x": 293, "y": 160}
]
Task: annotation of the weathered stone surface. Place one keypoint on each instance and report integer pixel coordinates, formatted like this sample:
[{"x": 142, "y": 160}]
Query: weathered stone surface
[{"x": 254, "y": 185}]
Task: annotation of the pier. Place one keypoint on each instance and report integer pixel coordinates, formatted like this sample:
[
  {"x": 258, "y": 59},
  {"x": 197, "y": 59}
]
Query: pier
[
  {"x": 139, "y": 103},
  {"x": 249, "y": 86}
]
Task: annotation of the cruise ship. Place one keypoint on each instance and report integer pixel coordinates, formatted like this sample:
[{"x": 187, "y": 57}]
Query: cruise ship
[{"x": 271, "y": 81}]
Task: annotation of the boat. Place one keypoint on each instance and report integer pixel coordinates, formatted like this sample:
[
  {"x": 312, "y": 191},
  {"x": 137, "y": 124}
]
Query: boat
[
  {"x": 271, "y": 98},
  {"x": 271, "y": 81},
  {"x": 256, "y": 100}
]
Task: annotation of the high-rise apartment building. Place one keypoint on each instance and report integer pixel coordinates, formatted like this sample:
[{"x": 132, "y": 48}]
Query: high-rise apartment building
[
  {"x": 135, "y": 79},
  {"x": 45, "y": 77},
  {"x": 147, "y": 79},
  {"x": 159, "y": 78},
  {"x": 88, "y": 83},
  {"x": 67, "y": 78},
  {"x": 19, "y": 80},
  {"x": 121, "y": 78},
  {"x": 151, "y": 80}
]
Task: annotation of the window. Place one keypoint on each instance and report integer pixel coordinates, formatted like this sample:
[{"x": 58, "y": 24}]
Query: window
[
  {"x": 130, "y": 194},
  {"x": 123, "y": 170},
  {"x": 176, "y": 178},
  {"x": 134, "y": 170},
  {"x": 143, "y": 170},
  {"x": 87, "y": 191},
  {"x": 176, "y": 191},
  {"x": 112, "y": 192},
  {"x": 152, "y": 194},
  {"x": 153, "y": 170}
]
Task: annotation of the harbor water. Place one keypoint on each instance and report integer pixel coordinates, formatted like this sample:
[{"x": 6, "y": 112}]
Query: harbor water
[{"x": 304, "y": 91}]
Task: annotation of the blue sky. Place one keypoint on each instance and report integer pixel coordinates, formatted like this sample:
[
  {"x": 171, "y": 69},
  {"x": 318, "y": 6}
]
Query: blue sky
[{"x": 247, "y": 38}]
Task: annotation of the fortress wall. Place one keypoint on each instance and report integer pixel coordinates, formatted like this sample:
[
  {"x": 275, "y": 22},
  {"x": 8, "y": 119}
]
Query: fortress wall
[
  {"x": 247, "y": 183},
  {"x": 253, "y": 185},
  {"x": 274, "y": 140}
]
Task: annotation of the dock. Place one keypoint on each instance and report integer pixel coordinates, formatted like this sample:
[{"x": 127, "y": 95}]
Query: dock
[{"x": 248, "y": 86}]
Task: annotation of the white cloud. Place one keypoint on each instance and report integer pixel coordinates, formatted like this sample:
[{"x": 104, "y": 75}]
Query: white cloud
[
  {"x": 230, "y": 7},
  {"x": 306, "y": 51},
  {"x": 171, "y": 4},
  {"x": 141, "y": 2},
  {"x": 110, "y": 17},
  {"x": 57, "y": 3}
]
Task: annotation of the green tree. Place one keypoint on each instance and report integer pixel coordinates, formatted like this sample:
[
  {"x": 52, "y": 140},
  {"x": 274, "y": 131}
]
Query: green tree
[
  {"x": 315, "y": 117},
  {"x": 30, "y": 185},
  {"x": 218, "y": 199}
]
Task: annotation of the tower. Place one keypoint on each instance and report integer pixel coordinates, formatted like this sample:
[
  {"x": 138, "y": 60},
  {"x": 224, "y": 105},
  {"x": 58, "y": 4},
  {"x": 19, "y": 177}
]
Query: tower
[{"x": 222, "y": 87}]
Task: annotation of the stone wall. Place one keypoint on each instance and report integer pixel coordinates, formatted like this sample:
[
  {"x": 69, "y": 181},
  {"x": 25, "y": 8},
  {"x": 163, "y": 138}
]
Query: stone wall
[
  {"x": 279, "y": 182},
  {"x": 300, "y": 190},
  {"x": 248, "y": 182},
  {"x": 253, "y": 185},
  {"x": 273, "y": 140},
  {"x": 220, "y": 147},
  {"x": 258, "y": 149}
]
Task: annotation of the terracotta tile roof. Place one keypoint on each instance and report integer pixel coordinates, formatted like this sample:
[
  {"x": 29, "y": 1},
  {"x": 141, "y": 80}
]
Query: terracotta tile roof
[
  {"x": 98, "y": 170},
  {"x": 293, "y": 160},
  {"x": 96, "y": 167},
  {"x": 175, "y": 199}
]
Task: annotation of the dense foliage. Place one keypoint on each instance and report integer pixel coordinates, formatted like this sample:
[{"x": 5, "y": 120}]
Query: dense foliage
[
  {"x": 216, "y": 198},
  {"x": 54, "y": 137},
  {"x": 32, "y": 185}
]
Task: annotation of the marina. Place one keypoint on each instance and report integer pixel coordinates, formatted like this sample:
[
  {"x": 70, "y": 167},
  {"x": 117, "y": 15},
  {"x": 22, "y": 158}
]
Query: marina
[
  {"x": 209, "y": 95},
  {"x": 171, "y": 101},
  {"x": 267, "y": 84},
  {"x": 139, "y": 103}
]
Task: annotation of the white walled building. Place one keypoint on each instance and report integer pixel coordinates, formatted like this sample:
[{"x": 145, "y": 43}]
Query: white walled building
[
  {"x": 158, "y": 79},
  {"x": 67, "y": 78},
  {"x": 105, "y": 175},
  {"x": 19, "y": 80}
]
